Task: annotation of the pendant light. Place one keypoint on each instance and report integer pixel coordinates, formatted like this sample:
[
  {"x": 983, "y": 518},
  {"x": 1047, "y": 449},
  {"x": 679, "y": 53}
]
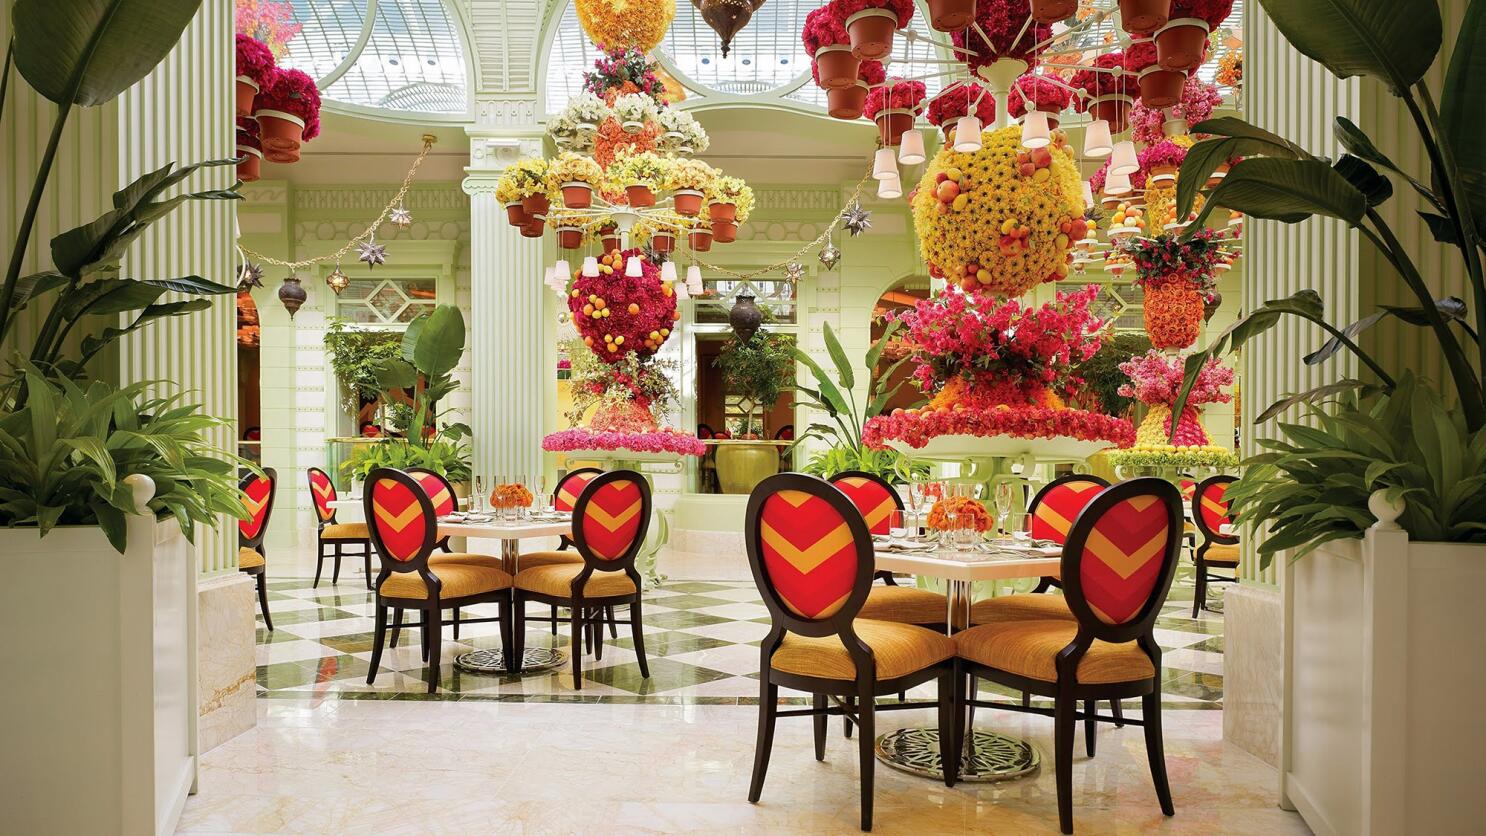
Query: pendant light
[
  {"x": 967, "y": 134},
  {"x": 1118, "y": 184},
  {"x": 668, "y": 271},
  {"x": 883, "y": 164},
  {"x": 562, "y": 270},
  {"x": 1035, "y": 131},
  {"x": 1088, "y": 194},
  {"x": 1124, "y": 160},
  {"x": 694, "y": 280},
  {"x": 890, "y": 189},
  {"x": 1097, "y": 141},
  {"x": 591, "y": 267},
  {"x": 911, "y": 149},
  {"x": 632, "y": 268}
]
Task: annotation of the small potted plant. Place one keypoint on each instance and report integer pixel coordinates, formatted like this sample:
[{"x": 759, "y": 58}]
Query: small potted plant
[
  {"x": 509, "y": 195},
  {"x": 950, "y": 15},
  {"x": 634, "y": 110},
  {"x": 255, "y": 65},
  {"x": 694, "y": 138},
  {"x": 728, "y": 204},
  {"x": 588, "y": 111},
  {"x": 288, "y": 114},
  {"x": 530, "y": 179},
  {"x": 574, "y": 175},
  {"x": 1181, "y": 44},
  {"x": 606, "y": 234},
  {"x": 1142, "y": 17},
  {"x": 663, "y": 240},
  {"x": 828, "y": 46},
  {"x": 700, "y": 238},
  {"x": 249, "y": 148},
  {"x": 848, "y": 102},
  {"x": 569, "y": 225},
  {"x": 1107, "y": 93},
  {"x": 893, "y": 107},
  {"x": 1159, "y": 87},
  {"x": 1046, "y": 96},
  {"x": 670, "y": 121},
  {"x": 688, "y": 182},
  {"x": 757, "y": 370},
  {"x": 640, "y": 175},
  {"x": 871, "y": 23},
  {"x": 946, "y": 108}
]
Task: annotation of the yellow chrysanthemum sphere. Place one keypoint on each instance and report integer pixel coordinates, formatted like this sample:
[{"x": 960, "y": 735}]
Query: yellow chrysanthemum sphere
[
  {"x": 623, "y": 24},
  {"x": 1003, "y": 218}
]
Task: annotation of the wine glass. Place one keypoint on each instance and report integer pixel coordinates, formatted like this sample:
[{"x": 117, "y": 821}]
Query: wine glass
[
  {"x": 898, "y": 525},
  {"x": 1003, "y": 505},
  {"x": 477, "y": 496},
  {"x": 541, "y": 494}
]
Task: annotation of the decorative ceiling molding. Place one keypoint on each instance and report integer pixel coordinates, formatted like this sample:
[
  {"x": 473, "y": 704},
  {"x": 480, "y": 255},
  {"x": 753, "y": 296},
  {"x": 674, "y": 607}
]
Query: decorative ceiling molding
[
  {"x": 375, "y": 198},
  {"x": 506, "y": 36}
]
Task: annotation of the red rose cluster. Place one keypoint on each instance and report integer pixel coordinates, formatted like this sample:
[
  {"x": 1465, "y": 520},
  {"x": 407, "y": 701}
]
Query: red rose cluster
[
  {"x": 917, "y": 427},
  {"x": 616, "y": 314}
]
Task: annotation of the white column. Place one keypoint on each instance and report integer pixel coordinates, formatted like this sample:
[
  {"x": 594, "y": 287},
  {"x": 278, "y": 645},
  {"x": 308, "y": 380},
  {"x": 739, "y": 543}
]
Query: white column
[{"x": 509, "y": 373}]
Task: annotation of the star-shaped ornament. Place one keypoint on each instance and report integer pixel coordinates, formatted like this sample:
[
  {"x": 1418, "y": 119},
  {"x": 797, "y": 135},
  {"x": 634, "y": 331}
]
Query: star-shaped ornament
[
  {"x": 829, "y": 256},
  {"x": 401, "y": 217},
  {"x": 857, "y": 219},
  {"x": 249, "y": 276},
  {"x": 372, "y": 253},
  {"x": 794, "y": 270}
]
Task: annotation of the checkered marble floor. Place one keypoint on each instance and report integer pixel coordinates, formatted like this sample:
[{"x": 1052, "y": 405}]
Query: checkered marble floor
[{"x": 701, "y": 640}]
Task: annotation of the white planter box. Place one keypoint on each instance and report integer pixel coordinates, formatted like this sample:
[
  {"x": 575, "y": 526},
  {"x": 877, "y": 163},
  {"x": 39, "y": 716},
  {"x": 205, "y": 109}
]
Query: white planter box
[
  {"x": 1384, "y": 675},
  {"x": 99, "y": 712}
]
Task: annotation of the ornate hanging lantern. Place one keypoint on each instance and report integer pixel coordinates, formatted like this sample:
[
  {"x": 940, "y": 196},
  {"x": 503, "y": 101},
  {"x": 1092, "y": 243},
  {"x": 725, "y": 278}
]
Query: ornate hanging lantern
[
  {"x": 745, "y": 316},
  {"x": 727, "y": 17},
  {"x": 337, "y": 280},
  {"x": 292, "y": 295}
]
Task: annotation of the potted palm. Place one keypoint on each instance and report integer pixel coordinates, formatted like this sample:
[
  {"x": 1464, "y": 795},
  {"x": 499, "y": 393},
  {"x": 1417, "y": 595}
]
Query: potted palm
[
  {"x": 758, "y": 370},
  {"x": 1378, "y": 501}
]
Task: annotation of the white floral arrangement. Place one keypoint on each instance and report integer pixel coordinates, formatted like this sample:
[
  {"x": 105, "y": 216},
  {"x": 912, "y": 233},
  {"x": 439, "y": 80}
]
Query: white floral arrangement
[
  {"x": 588, "y": 108},
  {"x": 635, "y": 107},
  {"x": 692, "y": 135}
]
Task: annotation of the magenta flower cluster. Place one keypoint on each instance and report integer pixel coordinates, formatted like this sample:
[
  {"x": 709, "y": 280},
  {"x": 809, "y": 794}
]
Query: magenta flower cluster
[
  {"x": 665, "y": 440},
  {"x": 1156, "y": 378},
  {"x": 1043, "y": 93},
  {"x": 895, "y": 93},
  {"x": 1199, "y": 99}
]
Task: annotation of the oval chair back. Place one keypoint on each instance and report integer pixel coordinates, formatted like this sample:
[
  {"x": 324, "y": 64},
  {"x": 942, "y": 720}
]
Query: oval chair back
[
  {"x": 322, "y": 493},
  {"x": 1119, "y": 561},
  {"x": 872, "y": 495},
  {"x": 439, "y": 489},
  {"x": 610, "y": 522},
  {"x": 570, "y": 487},
  {"x": 810, "y": 553},
  {"x": 401, "y": 523},
  {"x": 1059, "y": 503},
  {"x": 1210, "y": 509},
  {"x": 258, "y": 495}
]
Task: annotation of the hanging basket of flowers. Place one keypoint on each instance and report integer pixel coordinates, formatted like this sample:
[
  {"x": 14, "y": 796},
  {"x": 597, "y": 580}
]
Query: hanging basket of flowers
[
  {"x": 1153, "y": 124},
  {"x": 1162, "y": 161},
  {"x": 1106, "y": 90},
  {"x": 288, "y": 114},
  {"x": 1142, "y": 17},
  {"x": 870, "y": 25},
  {"x": 1046, "y": 96},
  {"x": 826, "y": 42},
  {"x": 893, "y": 107},
  {"x": 574, "y": 176},
  {"x": 950, "y": 15},
  {"x": 249, "y": 148},
  {"x": 1053, "y": 11},
  {"x": 849, "y": 102},
  {"x": 954, "y": 102},
  {"x": 729, "y": 203},
  {"x": 1159, "y": 87},
  {"x": 1182, "y": 43},
  {"x": 640, "y": 176},
  {"x": 254, "y": 68},
  {"x": 688, "y": 181},
  {"x": 1004, "y": 23}
]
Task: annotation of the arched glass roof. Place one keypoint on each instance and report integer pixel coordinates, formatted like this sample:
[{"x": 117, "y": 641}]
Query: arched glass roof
[{"x": 413, "y": 60}]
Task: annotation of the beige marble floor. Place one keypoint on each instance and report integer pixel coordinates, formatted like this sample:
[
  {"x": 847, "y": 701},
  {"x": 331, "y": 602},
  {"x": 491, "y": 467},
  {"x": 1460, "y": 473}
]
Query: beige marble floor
[{"x": 394, "y": 767}]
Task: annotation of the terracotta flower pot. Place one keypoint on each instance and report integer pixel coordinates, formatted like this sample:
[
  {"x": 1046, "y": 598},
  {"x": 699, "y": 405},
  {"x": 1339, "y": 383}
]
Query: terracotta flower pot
[
  {"x": 1217, "y": 176},
  {"x": 610, "y": 243},
  {"x": 1110, "y": 201},
  {"x": 247, "y": 170},
  {"x": 639, "y": 195},
  {"x": 577, "y": 195},
  {"x": 1052, "y": 120},
  {"x": 535, "y": 227},
  {"x": 280, "y": 134},
  {"x": 892, "y": 123},
  {"x": 245, "y": 89},
  {"x": 723, "y": 212},
  {"x": 516, "y": 213},
  {"x": 1142, "y": 17},
  {"x": 1160, "y": 87},
  {"x": 701, "y": 240},
  {"x": 688, "y": 202},
  {"x": 871, "y": 32},
  {"x": 1114, "y": 109},
  {"x": 1163, "y": 173},
  {"x": 724, "y": 232},
  {"x": 1181, "y": 44},
  {"x": 536, "y": 204},
  {"x": 847, "y": 102},
  {"x": 663, "y": 242},
  {"x": 836, "y": 66},
  {"x": 950, "y": 15},
  {"x": 1052, "y": 11},
  {"x": 569, "y": 237}
]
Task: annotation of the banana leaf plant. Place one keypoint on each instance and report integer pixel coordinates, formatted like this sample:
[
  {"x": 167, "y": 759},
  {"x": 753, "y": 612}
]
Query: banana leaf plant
[
  {"x": 431, "y": 348},
  {"x": 1395, "y": 43}
]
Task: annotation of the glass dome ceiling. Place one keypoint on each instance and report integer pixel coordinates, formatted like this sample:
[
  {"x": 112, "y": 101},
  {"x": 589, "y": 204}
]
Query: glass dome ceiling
[{"x": 413, "y": 59}]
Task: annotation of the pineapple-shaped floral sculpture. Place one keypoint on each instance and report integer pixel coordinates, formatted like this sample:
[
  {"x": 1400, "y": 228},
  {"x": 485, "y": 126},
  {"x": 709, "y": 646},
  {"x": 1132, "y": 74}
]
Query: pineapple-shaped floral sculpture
[{"x": 1155, "y": 380}]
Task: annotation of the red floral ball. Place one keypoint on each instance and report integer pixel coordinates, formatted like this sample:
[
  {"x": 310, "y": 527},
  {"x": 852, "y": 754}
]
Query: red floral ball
[{"x": 616, "y": 314}]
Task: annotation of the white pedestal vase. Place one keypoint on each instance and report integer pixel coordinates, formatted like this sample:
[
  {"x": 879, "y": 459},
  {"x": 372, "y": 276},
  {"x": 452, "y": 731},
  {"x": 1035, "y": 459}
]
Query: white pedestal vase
[
  {"x": 1383, "y": 681},
  {"x": 101, "y": 711}
]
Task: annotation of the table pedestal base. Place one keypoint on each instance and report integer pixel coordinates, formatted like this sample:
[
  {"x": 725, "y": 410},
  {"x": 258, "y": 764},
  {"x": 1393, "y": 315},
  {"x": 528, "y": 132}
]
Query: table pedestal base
[
  {"x": 992, "y": 756},
  {"x": 534, "y": 660}
]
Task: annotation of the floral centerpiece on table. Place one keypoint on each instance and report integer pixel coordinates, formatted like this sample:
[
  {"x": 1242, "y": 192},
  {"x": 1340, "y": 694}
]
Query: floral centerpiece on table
[
  {"x": 1155, "y": 380},
  {"x": 1178, "y": 279},
  {"x": 958, "y": 513},
  {"x": 511, "y": 495},
  {"x": 998, "y": 367}
]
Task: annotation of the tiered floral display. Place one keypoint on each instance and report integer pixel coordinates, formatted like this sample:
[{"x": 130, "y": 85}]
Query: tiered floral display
[
  {"x": 1177, "y": 277},
  {"x": 996, "y": 367},
  {"x": 1155, "y": 379}
]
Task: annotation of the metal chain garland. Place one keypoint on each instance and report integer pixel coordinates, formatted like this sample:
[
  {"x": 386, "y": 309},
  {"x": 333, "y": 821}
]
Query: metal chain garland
[
  {"x": 856, "y": 194},
  {"x": 371, "y": 229}
]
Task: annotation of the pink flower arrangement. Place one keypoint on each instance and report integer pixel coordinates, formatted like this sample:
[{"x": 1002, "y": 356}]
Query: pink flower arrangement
[
  {"x": 247, "y": 133},
  {"x": 895, "y": 94},
  {"x": 1141, "y": 54},
  {"x": 1101, "y": 83},
  {"x": 1166, "y": 258},
  {"x": 1214, "y": 12},
  {"x": 954, "y": 102},
  {"x": 823, "y": 27},
  {"x": 291, "y": 91},
  {"x": 918, "y": 427},
  {"x": 1156, "y": 379},
  {"x": 1002, "y": 22},
  {"x": 254, "y": 60},
  {"x": 902, "y": 8},
  {"x": 1163, "y": 153},
  {"x": 1045, "y": 95},
  {"x": 1096, "y": 180},
  {"x": 1199, "y": 99},
  {"x": 664, "y": 440},
  {"x": 625, "y": 70},
  {"x": 268, "y": 21}
]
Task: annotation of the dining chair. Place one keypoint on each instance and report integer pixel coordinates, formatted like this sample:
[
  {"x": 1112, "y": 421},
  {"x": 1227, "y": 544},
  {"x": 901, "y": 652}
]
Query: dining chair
[
  {"x": 445, "y": 500},
  {"x": 610, "y": 520},
  {"x": 1209, "y": 515},
  {"x": 564, "y": 498},
  {"x": 337, "y": 535},
  {"x": 404, "y": 531},
  {"x": 258, "y": 491},
  {"x": 1117, "y": 568},
  {"x": 812, "y": 560},
  {"x": 1050, "y": 517}
]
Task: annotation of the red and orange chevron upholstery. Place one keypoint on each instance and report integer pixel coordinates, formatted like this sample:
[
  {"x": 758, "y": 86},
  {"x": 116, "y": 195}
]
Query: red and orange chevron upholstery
[
  {"x": 571, "y": 487},
  {"x": 808, "y": 553},
  {"x": 1060, "y": 506},
  {"x": 1213, "y": 506},
  {"x": 255, "y": 499},
  {"x": 398, "y": 519},
  {"x": 872, "y": 498},
  {"x": 1122, "y": 558},
  {"x": 322, "y": 491},
  {"x": 443, "y": 501},
  {"x": 612, "y": 518},
  {"x": 1188, "y": 488}
]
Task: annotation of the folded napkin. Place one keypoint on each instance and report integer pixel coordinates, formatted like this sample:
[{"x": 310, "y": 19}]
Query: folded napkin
[{"x": 905, "y": 546}]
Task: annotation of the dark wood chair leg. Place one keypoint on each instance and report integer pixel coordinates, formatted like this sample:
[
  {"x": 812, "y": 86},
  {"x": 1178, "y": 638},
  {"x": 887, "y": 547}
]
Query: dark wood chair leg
[
  {"x": 396, "y": 626},
  {"x": 596, "y": 620},
  {"x": 1201, "y": 593},
  {"x": 637, "y": 634},
  {"x": 960, "y": 732},
  {"x": 1091, "y": 707},
  {"x": 435, "y": 646},
  {"x": 1065, "y": 718},
  {"x": 846, "y": 717},
  {"x": 263, "y": 600},
  {"x": 1119, "y": 713},
  {"x": 768, "y": 710},
  {"x": 426, "y": 633},
  {"x": 1026, "y": 699},
  {"x": 1155, "y": 751},
  {"x": 579, "y": 625},
  {"x": 1042, "y": 586},
  {"x": 378, "y": 643},
  {"x": 819, "y": 702},
  {"x": 866, "y": 749},
  {"x": 949, "y": 754},
  {"x": 554, "y": 619},
  {"x": 973, "y": 693},
  {"x": 366, "y": 561},
  {"x": 517, "y": 649},
  {"x": 319, "y": 561},
  {"x": 456, "y": 624},
  {"x": 613, "y": 624},
  {"x": 335, "y": 576}
]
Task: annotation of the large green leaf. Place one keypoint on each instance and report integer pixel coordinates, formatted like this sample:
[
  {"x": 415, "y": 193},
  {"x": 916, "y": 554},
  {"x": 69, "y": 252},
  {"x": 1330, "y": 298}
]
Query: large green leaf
[
  {"x": 1205, "y": 157},
  {"x": 109, "y": 296},
  {"x": 89, "y": 51},
  {"x": 1463, "y": 110},
  {"x": 1285, "y": 190},
  {"x": 1394, "y": 41},
  {"x": 440, "y": 342},
  {"x": 1359, "y": 144}
]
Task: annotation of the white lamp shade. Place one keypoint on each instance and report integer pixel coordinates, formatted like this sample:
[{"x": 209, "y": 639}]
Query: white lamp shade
[
  {"x": 561, "y": 270},
  {"x": 668, "y": 271},
  {"x": 890, "y": 189},
  {"x": 1118, "y": 184},
  {"x": 681, "y": 292},
  {"x": 967, "y": 135},
  {"x": 1035, "y": 132},
  {"x": 633, "y": 268},
  {"x": 591, "y": 267},
  {"x": 911, "y": 149},
  {"x": 884, "y": 165},
  {"x": 694, "y": 280},
  {"x": 1097, "y": 139},
  {"x": 1088, "y": 194},
  {"x": 547, "y": 275},
  {"x": 1124, "y": 160}
]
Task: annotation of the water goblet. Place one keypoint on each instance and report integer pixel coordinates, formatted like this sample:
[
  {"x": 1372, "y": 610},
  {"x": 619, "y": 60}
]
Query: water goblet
[
  {"x": 477, "y": 496},
  {"x": 1003, "y": 505}
]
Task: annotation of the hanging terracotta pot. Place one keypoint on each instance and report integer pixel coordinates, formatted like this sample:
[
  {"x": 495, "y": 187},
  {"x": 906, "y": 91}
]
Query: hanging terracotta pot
[
  {"x": 536, "y": 204},
  {"x": 724, "y": 232},
  {"x": 847, "y": 102},
  {"x": 892, "y": 123},
  {"x": 610, "y": 242},
  {"x": 1217, "y": 176},
  {"x": 1052, "y": 11},
  {"x": 534, "y": 227},
  {"x": 248, "y": 169},
  {"x": 639, "y": 195},
  {"x": 688, "y": 202},
  {"x": 577, "y": 195},
  {"x": 871, "y": 32},
  {"x": 1160, "y": 87},
  {"x": 836, "y": 66},
  {"x": 1163, "y": 174},
  {"x": 244, "y": 89},
  {"x": 1114, "y": 109},
  {"x": 723, "y": 212},
  {"x": 1182, "y": 43},
  {"x": 701, "y": 240},
  {"x": 569, "y": 237},
  {"x": 663, "y": 242},
  {"x": 745, "y": 317},
  {"x": 280, "y": 134},
  {"x": 1142, "y": 17},
  {"x": 950, "y": 15},
  {"x": 516, "y": 213}
]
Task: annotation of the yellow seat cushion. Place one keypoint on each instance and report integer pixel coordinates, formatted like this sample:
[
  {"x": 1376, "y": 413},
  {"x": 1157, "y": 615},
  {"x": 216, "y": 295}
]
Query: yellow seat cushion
[
  {"x": 437, "y": 559},
  {"x": 344, "y": 531},
  {"x": 1028, "y": 648},
  {"x": 1006, "y": 608},
  {"x": 248, "y": 558},
  {"x": 905, "y": 605},
  {"x": 557, "y": 580},
  {"x": 898, "y": 649},
  {"x": 1221, "y": 555},
  {"x": 456, "y": 580},
  {"x": 535, "y": 559}
]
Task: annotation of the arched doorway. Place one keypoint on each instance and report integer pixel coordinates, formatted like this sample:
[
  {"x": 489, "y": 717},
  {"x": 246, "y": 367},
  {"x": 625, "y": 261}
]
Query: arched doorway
[{"x": 901, "y": 297}]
